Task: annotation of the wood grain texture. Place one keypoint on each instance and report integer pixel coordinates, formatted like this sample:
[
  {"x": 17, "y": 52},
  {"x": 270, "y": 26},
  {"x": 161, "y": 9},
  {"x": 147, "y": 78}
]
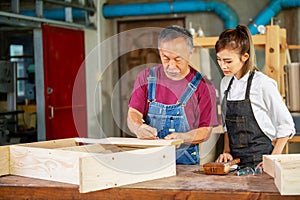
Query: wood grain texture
[
  {"x": 287, "y": 177},
  {"x": 48, "y": 164},
  {"x": 94, "y": 163},
  {"x": 269, "y": 161},
  {"x": 4, "y": 160},
  {"x": 285, "y": 169},
  {"x": 113, "y": 170}
]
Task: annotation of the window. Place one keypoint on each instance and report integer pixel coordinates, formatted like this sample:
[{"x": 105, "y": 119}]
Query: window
[{"x": 16, "y": 55}]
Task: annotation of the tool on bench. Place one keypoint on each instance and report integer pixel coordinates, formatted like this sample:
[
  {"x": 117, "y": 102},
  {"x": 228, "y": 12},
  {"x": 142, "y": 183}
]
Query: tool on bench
[{"x": 219, "y": 168}]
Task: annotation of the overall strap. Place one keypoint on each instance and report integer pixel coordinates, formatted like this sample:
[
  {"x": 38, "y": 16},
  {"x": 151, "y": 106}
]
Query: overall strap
[
  {"x": 192, "y": 86},
  {"x": 249, "y": 85},
  {"x": 151, "y": 85}
]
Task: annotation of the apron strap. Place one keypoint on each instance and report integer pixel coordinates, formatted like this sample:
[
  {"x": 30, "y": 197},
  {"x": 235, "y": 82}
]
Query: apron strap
[
  {"x": 192, "y": 86},
  {"x": 247, "y": 95},
  {"x": 151, "y": 85},
  {"x": 224, "y": 101}
]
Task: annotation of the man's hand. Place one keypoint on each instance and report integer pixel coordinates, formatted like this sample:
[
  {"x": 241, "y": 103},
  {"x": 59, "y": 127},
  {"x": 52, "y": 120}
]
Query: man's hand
[
  {"x": 146, "y": 132},
  {"x": 224, "y": 157},
  {"x": 172, "y": 136}
]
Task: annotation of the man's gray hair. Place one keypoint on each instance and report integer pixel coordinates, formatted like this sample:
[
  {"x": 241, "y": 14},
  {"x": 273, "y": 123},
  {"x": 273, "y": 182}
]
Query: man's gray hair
[{"x": 173, "y": 32}]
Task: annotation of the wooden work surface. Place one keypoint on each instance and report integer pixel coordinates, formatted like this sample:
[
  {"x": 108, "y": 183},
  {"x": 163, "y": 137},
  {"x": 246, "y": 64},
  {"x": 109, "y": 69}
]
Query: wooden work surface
[{"x": 188, "y": 184}]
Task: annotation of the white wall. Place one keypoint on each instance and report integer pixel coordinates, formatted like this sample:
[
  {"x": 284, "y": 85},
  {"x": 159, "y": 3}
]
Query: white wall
[{"x": 211, "y": 24}]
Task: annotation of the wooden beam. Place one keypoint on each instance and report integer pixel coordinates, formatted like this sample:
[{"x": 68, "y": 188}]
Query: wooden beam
[
  {"x": 283, "y": 49},
  {"x": 205, "y": 42},
  {"x": 292, "y": 47},
  {"x": 209, "y": 42},
  {"x": 4, "y": 160},
  {"x": 296, "y": 138},
  {"x": 272, "y": 53}
]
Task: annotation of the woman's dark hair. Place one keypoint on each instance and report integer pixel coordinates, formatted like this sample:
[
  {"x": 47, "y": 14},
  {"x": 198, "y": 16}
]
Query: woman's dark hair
[{"x": 238, "y": 39}]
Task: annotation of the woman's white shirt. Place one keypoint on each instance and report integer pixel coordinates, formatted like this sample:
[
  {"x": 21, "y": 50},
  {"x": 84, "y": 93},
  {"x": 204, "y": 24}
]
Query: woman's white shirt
[{"x": 269, "y": 110}]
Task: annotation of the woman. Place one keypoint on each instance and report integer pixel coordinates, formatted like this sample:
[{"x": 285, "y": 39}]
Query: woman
[{"x": 254, "y": 115}]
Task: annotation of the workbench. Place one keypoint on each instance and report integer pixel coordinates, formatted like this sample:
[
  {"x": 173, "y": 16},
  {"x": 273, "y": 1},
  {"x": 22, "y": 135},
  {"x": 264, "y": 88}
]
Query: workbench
[{"x": 189, "y": 183}]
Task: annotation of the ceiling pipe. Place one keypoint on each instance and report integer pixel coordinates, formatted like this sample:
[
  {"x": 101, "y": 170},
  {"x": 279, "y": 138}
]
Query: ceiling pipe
[
  {"x": 226, "y": 13},
  {"x": 264, "y": 17},
  {"x": 56, "y": 14}
]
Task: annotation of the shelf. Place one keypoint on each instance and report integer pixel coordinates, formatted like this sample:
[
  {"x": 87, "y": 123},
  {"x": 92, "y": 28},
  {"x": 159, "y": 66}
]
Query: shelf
[{"x": 274, "y": 43}]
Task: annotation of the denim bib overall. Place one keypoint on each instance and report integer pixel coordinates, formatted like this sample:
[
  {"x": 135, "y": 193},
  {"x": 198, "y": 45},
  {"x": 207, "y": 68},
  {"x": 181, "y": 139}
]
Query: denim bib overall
[
  {"x": 247, "y": 140},
  {"x": 172, "y": 118}
]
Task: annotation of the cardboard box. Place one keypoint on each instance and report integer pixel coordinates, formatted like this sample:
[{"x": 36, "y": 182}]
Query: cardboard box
[{"x": 93, "y": 164}]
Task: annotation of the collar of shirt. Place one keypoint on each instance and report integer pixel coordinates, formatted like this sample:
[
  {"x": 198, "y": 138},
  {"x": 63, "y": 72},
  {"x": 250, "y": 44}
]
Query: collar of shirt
[{"x": 244, "y": 78}]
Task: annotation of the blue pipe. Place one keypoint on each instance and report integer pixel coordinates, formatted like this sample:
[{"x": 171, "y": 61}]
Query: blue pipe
[
  {"x": 270, "y": 11},
  {"x": 226, "y": 13},
  {"x": 56, "y": 14}
]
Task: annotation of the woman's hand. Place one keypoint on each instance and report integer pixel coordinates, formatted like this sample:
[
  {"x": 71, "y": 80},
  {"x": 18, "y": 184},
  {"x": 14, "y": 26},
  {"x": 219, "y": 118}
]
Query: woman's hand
[
  {"x": 259, "y": 168},
  {"x": 224, "y": 157}
]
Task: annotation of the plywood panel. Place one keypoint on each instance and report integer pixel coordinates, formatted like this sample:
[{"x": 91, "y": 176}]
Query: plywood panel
[
  {"x": 113, "y": 170},
  {"x": 48, "y": 164}
]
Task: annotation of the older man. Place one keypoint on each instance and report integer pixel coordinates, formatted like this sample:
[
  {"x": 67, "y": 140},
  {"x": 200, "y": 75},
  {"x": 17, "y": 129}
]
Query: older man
[{"x": 173, "y": 100}]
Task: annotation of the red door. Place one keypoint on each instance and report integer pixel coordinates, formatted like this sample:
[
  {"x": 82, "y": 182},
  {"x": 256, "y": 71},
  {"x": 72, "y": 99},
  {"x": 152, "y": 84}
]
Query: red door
[{"x": 63, "y": 55}]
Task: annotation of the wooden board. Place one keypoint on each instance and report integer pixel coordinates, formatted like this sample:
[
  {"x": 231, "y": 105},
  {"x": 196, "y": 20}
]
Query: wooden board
[
  {"x": 52, "y": 144},
  {"x": 287, "y": 177},
  {"x": 47, "y": 164},
  {"x": 209, "y": 42},
  {"x": 274, "y": 44},
  {"x": 269, "y": 161},
  {"x": 130, "y": 141},
  {"x": 285, "y": 169},
  {"x": 4, "y": 160},
  {"x": 112, "y": 170}
]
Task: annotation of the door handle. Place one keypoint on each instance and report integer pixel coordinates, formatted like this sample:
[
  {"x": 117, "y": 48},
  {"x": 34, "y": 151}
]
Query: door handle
[{"x": 51, "y": 112}]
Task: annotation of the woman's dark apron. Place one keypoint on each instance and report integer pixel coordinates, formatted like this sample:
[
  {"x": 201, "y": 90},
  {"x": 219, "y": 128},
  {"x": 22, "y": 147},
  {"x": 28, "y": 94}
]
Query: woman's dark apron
[{"x": 247, "y": 141}]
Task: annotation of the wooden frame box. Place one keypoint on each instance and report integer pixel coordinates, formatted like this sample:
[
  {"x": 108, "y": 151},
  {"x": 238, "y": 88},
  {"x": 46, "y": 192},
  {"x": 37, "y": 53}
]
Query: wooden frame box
[
  {"x": 93, "y": 164},
  {"x": 285, "y": 169}
]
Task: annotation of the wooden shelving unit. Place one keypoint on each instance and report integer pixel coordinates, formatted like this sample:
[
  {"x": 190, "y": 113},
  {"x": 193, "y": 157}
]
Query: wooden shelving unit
[{"x": 274, "y": 43}]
